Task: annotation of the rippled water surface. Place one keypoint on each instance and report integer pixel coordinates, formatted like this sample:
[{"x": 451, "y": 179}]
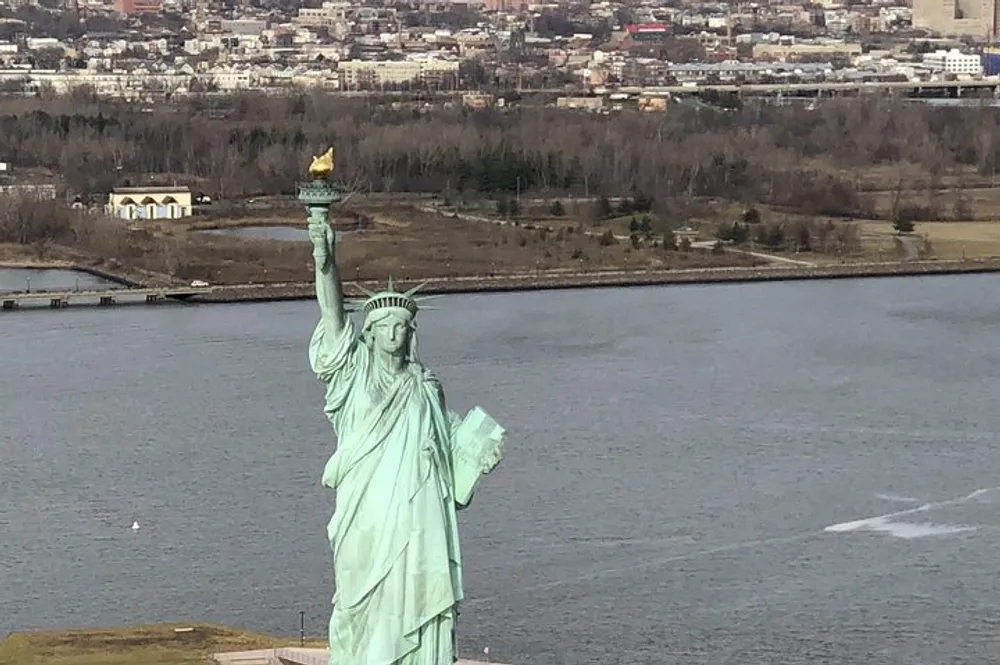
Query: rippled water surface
[{"x": 764, "y": 473}]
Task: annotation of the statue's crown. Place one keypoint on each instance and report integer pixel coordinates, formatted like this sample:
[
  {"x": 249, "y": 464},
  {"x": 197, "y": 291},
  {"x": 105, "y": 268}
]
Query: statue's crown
[
  {"x": 392, "y": 298},
  {"x": 385, "y": 299}
]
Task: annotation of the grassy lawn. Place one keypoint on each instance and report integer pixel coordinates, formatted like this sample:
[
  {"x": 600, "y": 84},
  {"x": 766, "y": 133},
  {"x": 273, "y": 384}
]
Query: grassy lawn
[{"x": 140, "y": 645}]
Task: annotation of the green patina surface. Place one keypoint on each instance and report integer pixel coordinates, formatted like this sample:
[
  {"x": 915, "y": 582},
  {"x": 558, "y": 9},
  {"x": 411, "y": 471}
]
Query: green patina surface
[{"x": 404, "y": 464}]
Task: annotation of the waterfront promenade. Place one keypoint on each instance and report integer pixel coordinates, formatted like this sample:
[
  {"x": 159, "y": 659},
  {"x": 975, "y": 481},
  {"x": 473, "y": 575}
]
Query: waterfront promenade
[
  {"x": 526, "y": 281},
  {"x": 568, "y": 279}
]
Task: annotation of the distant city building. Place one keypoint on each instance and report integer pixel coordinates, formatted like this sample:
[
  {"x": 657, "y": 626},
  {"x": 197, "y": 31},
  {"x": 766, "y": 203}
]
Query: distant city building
[
  {"x": 647, "y": 31},
  {"x": 505, "y": 5},
  {"x": 581, "y": 103},
  {"x": 954, "y": 62},
  {"x": 243, "y": 26},
  {"x": 805, "y": 51},
  {"x": 372, "y": 75},
  {"x": 327, "y": 16},
  {"x": 991, "y": 60},
  {"x": 149, "y": 202},
  {"x": 971, "y": 18},
  {"x": 139, "y": 6},
  {"x": 477, "y": 100}
]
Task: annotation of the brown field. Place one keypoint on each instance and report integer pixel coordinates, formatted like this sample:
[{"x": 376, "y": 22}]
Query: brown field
[
  {"x": 968, "y": 204},
  {"x": 16, "y": 256},
  {"x": 948, "y": 240},
  {"x": 412, "y": 242},
  {"x": 403, "y": 241},
  {"x": 141, "y": 645}
]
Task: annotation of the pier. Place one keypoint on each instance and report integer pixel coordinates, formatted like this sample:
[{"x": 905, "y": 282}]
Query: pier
[{"x": 12, "y": 300}]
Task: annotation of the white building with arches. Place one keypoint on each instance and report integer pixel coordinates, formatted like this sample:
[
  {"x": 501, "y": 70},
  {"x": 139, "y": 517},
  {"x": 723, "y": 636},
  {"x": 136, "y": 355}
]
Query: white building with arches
[{"x": 149, "y": 202}]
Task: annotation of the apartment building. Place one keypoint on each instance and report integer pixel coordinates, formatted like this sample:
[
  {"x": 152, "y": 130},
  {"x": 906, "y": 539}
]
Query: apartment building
[
  {"x": 328, "y": 15},
  {"x": 139, "y": 6},
  {"x": 954, "y": 62},
  {"x": 370, "y": 75}
]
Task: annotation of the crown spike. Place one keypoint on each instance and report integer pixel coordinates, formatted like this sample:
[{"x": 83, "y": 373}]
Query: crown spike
[
  {"x": 365, "y": 291},
  {"x": 390, "y": 298},
  {"x": 409, "y": 294}
]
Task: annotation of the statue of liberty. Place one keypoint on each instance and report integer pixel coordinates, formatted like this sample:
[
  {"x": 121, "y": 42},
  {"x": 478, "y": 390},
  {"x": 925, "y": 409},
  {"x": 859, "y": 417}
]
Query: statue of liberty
[{"x": 404, "y": 463}]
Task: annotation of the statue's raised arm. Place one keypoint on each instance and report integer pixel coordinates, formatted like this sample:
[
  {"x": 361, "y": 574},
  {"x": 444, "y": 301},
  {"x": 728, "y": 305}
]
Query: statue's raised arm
[
  {"x": 329, "y": 288},
  {"x": 318, "y": 195}
]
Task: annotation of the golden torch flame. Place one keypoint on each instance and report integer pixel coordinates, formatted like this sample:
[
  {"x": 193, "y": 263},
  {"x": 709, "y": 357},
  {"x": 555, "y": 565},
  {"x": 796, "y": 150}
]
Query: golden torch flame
[{"x": 322, "y": 166}]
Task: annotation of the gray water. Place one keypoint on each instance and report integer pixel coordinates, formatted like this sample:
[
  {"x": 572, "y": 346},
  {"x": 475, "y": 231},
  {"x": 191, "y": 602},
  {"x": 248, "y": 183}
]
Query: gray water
[
  {"x": 294, "y": 233},
  {"x": 43, "y": 279},
  {"x": 675, "y": 456}
]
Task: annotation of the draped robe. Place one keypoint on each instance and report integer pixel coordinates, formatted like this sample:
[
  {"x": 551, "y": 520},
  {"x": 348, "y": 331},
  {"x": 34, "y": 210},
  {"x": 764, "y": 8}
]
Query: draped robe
[{"x": 397, "y": 565}]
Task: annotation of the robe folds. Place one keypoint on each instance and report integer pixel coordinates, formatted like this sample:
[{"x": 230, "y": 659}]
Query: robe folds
[{"x": 394, "y": 535}]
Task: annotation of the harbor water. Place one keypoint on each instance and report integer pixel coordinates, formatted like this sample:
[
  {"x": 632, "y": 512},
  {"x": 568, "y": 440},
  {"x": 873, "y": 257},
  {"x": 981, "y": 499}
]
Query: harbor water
[{"x": 789, "y": 473}]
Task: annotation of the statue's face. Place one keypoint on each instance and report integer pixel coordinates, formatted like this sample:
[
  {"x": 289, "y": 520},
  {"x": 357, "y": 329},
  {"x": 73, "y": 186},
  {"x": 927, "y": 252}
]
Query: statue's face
[{"x": 392, "y": 334}]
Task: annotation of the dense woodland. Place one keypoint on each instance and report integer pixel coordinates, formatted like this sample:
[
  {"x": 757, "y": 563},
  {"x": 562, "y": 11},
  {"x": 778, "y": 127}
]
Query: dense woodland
[{"x": 814, "y": 161}]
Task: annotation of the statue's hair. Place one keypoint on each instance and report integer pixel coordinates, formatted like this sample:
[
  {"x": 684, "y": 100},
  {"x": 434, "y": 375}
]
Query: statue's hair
[{"x": 378, "y": 315}]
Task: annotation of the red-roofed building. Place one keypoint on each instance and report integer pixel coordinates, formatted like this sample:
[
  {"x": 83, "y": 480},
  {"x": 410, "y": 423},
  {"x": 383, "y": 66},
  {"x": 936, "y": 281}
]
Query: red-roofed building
[{"x": 651, "y": 31}]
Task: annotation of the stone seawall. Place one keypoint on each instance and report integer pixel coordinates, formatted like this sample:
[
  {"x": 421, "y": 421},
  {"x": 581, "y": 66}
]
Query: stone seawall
[{"x": 576, "y": 280}]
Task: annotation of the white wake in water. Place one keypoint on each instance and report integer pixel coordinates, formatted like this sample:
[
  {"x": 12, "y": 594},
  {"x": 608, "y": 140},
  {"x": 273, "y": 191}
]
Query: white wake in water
[
  {"x": 887, "y": 523},
  {"x": 879, "y": 523},
  {"x": 907, "y": 530},
  {"x": 896, "y": 498}
]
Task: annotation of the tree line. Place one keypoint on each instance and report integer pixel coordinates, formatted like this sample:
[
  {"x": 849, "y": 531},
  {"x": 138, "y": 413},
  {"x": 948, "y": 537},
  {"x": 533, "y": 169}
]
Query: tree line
[{"x": 247, "y": 145}]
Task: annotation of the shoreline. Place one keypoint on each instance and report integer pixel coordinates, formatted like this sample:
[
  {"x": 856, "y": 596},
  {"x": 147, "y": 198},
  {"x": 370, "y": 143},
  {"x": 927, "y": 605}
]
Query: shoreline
[
  {"x": 558, "y": 280},
  {"x": 607, "y": 279}
]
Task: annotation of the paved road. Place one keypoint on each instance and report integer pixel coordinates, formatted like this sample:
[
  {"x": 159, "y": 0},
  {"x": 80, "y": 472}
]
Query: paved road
[{"x": 774, "y": 258}]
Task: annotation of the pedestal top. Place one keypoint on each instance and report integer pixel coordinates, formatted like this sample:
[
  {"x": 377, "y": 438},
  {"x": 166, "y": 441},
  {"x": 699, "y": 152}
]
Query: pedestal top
[{"x": 293, "y": 656}]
